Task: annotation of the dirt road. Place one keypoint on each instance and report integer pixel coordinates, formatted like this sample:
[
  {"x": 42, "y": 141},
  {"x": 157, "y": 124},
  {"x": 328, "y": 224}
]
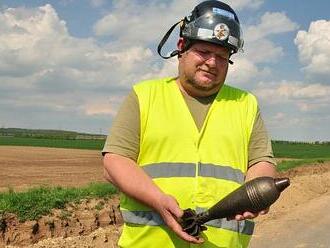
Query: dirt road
[{"x": 299, "y": 219}]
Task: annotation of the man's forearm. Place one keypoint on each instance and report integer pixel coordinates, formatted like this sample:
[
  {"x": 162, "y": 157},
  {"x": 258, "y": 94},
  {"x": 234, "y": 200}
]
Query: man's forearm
[
  {"x": 125, "y": 174},
  {"x": 133, "y": 181},
  {"x": 261, "y": 169}
]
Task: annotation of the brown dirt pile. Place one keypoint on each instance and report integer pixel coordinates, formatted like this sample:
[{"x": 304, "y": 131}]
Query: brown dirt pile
[{"x": 76, "y": 220}]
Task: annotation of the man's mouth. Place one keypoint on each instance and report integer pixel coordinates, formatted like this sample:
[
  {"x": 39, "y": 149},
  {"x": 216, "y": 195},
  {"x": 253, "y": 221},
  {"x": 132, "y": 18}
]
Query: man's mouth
[{"x": 208, "y": 72}]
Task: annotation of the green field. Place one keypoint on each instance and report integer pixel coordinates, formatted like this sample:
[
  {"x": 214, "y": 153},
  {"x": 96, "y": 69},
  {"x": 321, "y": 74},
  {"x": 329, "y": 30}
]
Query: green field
[
  {"x": 91, "y": 144},
  {"x": 283, "y": 149}
]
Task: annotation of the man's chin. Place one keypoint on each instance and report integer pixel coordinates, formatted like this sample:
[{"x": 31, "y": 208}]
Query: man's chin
[{"x": 206, "y": 82}]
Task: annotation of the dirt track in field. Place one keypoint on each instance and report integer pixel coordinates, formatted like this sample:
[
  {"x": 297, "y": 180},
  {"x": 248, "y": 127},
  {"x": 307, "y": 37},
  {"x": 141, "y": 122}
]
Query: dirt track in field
[{"x": 298, "y": 219}]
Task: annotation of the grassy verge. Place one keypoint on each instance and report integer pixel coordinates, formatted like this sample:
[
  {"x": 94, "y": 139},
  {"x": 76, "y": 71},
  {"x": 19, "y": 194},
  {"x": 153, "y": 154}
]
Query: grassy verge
[
  {"x": 34, "y": 203},
  {"x": 289, "y": 164}
]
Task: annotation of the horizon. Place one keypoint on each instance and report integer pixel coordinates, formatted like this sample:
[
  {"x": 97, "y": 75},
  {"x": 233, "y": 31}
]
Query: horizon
[{"x": 64, "y": 130}]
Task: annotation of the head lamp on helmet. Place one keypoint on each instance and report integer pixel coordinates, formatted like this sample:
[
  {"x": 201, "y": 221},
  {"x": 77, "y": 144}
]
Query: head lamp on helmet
[{"x": 210, "y": 21}]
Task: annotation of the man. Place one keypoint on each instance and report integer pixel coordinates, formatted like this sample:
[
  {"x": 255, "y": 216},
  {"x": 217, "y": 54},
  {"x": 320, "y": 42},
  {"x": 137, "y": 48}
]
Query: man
[{"x": 189, "y": 141}]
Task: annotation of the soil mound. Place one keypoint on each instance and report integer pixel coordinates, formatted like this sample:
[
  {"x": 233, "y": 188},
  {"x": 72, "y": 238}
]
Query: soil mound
[{"x": 75, "y": 220}]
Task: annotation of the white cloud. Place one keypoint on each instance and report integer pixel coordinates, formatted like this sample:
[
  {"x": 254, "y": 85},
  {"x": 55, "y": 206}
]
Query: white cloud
[
  {"x": 270, "y": 23},
  {"x": 314, "y": 48},
  {"x": 130, "y": 57},
  {"x": 97, "y": 3},
  {"x": 41, "y": 64},
  {"x": 242, "y": 4},
  {"x": 259, "y": 47},
  {"x": 168, "y": 68},
  {"x": 242, "y": 72},
  {"x": 36, "y": 41},
  {"x": 132, "y": 22},
  {"x": 306, "y": 97},
  {"x": 293, "y": 110},
  {"x": 107, "y": 107}
]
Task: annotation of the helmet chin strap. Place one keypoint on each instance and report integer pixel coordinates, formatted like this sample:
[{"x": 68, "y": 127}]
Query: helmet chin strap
[{"x": 163, "y": 41}]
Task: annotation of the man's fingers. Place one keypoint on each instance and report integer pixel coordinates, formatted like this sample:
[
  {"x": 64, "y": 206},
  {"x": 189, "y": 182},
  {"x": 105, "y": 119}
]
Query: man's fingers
[
  {"x": 172, "y": 224},
  {"x": 265, "y": 211},
  {"x": 245, "y": 215},
  {"x": 185, "y": 236},
  {"x": 249, "y": 215},
  {"x": 170, "y": 211}
]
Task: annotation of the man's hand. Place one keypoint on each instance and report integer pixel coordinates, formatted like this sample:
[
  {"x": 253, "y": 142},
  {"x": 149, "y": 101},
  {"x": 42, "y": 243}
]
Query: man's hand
[
  {"x": 257, "y": 170},
  {"x": 169, "y": 210},
  {"x": 142, "y": 188},
  {"x": 249, "y": 215}
]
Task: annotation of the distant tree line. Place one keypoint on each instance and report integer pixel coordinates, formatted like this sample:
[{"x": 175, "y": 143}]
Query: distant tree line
[
  {"x": 47, "y": 134},
  {"x": 301, "y": 142}
]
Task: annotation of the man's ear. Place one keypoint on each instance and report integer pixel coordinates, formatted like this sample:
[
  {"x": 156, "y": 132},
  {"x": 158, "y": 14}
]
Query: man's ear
[{"x": 180, "y": 44}]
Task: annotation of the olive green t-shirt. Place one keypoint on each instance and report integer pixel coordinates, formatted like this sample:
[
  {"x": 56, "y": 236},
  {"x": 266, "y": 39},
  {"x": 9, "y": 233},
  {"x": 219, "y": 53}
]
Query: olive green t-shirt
[{"x": 124, "y": 137}]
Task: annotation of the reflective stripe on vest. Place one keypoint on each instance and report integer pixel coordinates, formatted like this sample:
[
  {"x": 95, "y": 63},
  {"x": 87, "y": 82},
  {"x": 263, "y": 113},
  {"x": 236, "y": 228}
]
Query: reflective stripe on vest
[
  {"x": 166, "y": 170},
  {"x": 153, "y": 219}
]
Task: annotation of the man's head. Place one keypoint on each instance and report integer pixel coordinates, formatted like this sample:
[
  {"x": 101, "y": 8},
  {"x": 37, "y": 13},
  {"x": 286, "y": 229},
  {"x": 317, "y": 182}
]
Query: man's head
[
  {"x": 211, "y": 21},
  {"x": 203, "y": 67},
  {"x": 208, "y": 37}
]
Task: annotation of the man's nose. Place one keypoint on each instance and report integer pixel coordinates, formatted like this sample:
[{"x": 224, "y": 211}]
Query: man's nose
[{"x": 211, "y": 60}]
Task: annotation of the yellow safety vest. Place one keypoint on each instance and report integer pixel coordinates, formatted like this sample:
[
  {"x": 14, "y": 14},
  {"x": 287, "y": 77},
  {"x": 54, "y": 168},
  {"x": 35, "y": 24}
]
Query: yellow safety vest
[{"x": 197, "y": 167}]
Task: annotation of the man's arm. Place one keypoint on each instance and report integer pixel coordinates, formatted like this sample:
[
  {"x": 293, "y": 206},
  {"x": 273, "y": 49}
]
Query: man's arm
[
  {"x": 261, "y": 159},
  {"x": 133, "y": 181},
  {"x": 260, "y": 169}
]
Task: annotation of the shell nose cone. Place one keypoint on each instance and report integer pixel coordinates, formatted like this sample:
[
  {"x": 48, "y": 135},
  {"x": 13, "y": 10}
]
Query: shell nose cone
[{"x": 282, "y": 183}]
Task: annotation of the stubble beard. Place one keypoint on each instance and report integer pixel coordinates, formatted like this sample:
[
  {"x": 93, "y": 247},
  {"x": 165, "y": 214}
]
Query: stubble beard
[{"x": 203, "y": 87}]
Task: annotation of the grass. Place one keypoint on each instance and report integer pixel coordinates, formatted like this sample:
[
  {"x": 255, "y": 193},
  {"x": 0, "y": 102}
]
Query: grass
[
  {"x": 91, "y": 144},
  {"x": 302, "y": 153},
  {"x": 35, "y": 202},
  {"x": 289, "y": 164},
  {"x": 301, "y": 150}
]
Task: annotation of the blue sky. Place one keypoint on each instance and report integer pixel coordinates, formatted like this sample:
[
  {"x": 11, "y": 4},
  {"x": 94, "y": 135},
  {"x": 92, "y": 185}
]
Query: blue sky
[{"x": 68, "y": 64}]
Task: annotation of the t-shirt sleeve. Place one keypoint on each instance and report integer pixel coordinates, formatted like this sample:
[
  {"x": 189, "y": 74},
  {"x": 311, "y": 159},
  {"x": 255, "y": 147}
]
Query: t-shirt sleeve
[
  {"x": 124, "y": 136},
  {"x": 260, "y": 147}
]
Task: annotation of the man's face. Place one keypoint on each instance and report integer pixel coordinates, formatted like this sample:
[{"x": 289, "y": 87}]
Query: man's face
[{"x": 203, "y": 68}]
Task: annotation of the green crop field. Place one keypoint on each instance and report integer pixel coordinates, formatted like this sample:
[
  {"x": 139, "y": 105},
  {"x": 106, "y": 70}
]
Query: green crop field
[
  {"x": 301, "y": 153},
  {"x": 92, "y": 144},
  {"x": 301, "y": 150}
]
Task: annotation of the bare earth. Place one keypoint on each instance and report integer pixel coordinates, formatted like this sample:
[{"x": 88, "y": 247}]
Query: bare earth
[
  {"x": 23, "y": 167},
  {"x": 298, "y": 219}
]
